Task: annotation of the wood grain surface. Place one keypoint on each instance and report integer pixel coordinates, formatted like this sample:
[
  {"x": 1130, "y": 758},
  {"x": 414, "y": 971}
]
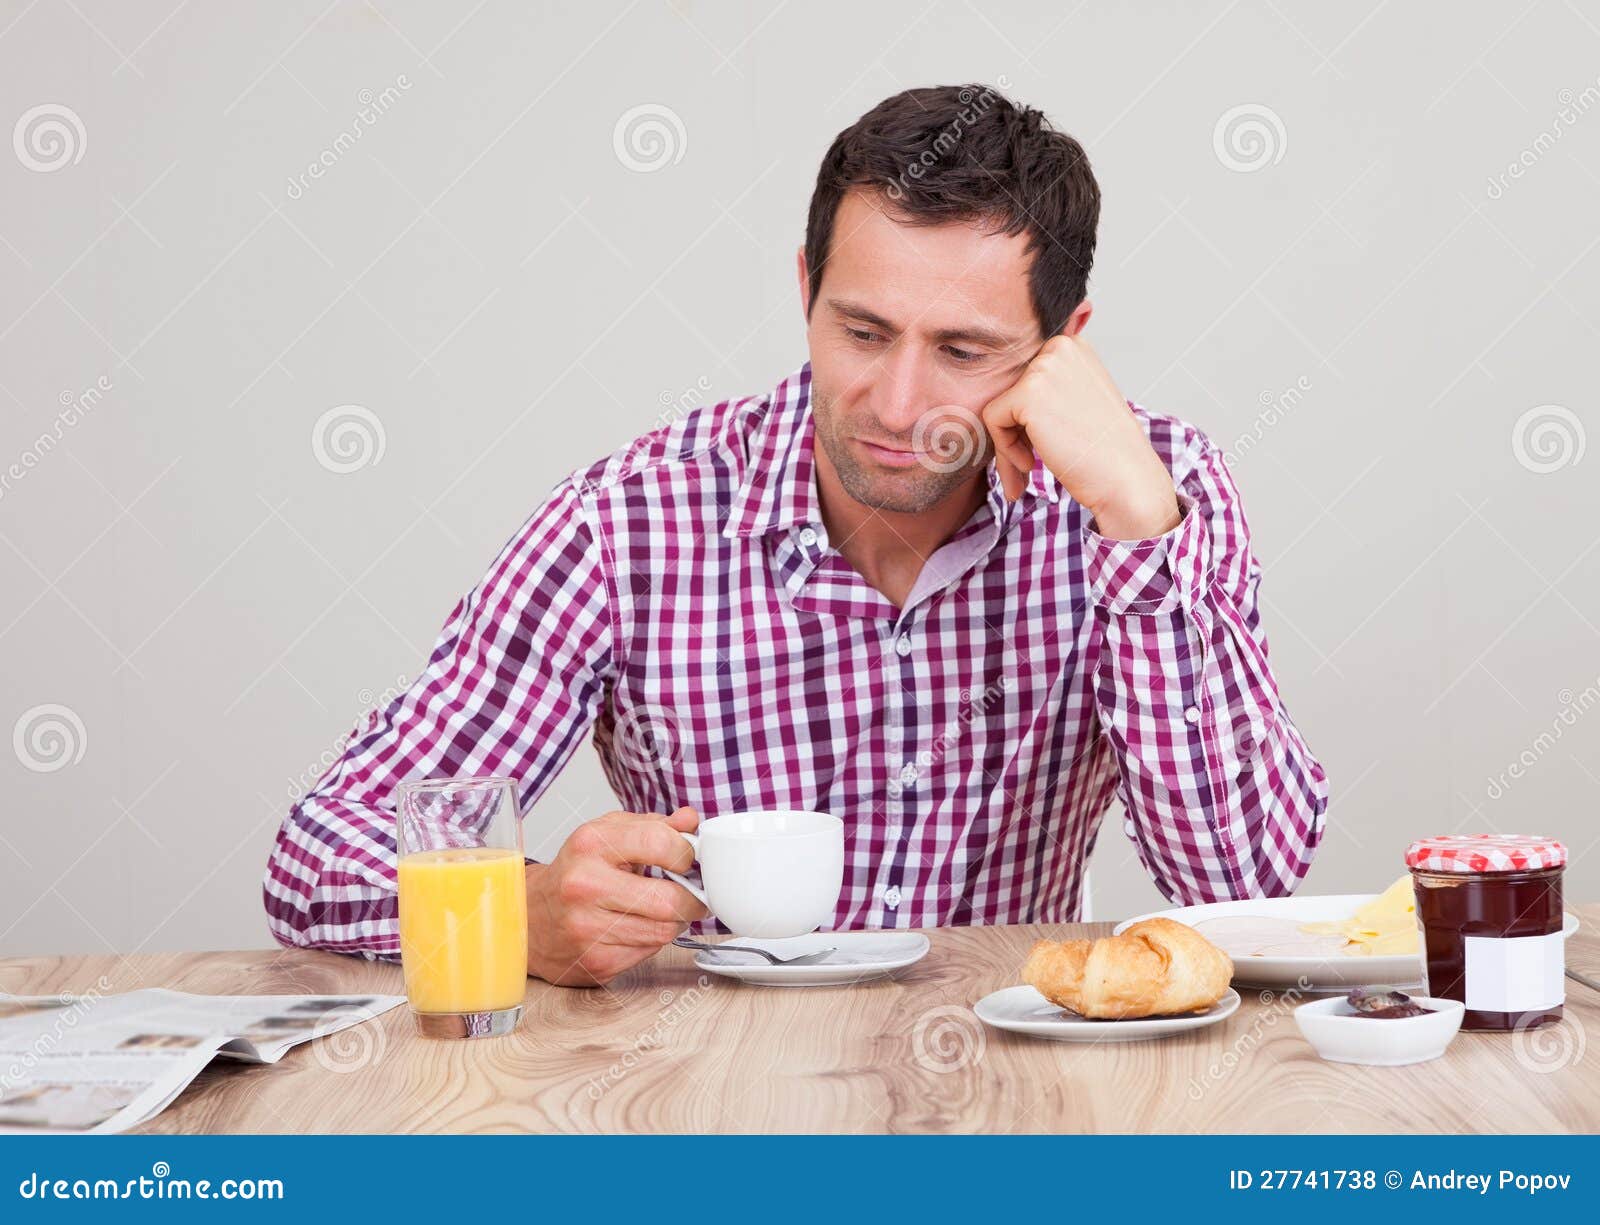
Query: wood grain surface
[{"x": 669, "y": 1049}]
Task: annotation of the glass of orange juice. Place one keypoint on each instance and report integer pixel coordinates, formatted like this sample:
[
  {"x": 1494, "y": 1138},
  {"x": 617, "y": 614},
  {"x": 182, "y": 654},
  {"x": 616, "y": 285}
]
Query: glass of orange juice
[{"x": 463, "y": 905}]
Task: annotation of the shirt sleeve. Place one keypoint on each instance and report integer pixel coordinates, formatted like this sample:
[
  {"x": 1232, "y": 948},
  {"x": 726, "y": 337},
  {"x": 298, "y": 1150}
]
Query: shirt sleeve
[
  {"x": 516, "y": 679},
  {"x": 1223, "y": 798}
]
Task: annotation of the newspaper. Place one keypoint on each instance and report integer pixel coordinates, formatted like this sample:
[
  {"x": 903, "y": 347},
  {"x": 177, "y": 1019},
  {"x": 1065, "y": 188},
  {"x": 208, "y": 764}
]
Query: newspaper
[{"x": 105, "y": 1063}]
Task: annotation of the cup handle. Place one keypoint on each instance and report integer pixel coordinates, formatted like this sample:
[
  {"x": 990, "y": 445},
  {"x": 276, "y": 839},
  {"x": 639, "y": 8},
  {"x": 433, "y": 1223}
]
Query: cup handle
[{"x": 694, "y": 841}]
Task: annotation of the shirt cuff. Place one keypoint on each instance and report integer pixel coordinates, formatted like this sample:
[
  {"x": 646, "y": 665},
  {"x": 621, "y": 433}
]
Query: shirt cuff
[{"x": 1152, "y": 576}]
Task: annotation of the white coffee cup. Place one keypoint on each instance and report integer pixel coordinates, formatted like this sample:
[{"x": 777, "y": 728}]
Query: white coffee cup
[{"x": 769, "y": 874}]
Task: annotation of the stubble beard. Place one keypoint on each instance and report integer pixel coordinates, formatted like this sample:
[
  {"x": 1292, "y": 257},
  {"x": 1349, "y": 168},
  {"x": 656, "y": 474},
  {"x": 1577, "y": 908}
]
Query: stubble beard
[{"x": 908, "y": 491}]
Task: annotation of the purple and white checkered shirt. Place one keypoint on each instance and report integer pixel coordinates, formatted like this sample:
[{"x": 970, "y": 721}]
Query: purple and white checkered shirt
[{"x": 681, "y": 598}]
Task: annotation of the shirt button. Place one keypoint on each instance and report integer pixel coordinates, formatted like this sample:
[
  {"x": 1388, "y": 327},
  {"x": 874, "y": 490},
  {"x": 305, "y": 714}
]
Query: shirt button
[
  {"x": 891, "y": 899},
  {"x": 908, "y": 775},
  {"x": 1192, "y": 715},
  {"x": 903, "y": 644},
  {"x": 808, "y": 537}
]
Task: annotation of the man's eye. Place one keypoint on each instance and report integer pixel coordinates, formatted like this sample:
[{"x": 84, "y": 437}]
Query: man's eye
[
  {"x": 858, "y": 334},
  {"x": 962, "y": 355}
]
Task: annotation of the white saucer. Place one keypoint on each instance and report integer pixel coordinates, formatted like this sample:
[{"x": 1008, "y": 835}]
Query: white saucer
[
  {"x": 1022, "y": 1010},
  {"x": 858, "y": 956}
]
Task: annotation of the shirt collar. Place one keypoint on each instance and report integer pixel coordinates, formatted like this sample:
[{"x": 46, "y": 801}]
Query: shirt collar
[{"x": 779, "y": 486}]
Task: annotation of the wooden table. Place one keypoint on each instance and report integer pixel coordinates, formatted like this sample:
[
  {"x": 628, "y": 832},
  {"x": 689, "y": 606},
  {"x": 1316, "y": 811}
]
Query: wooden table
[{"x": 668, "y": 1049}]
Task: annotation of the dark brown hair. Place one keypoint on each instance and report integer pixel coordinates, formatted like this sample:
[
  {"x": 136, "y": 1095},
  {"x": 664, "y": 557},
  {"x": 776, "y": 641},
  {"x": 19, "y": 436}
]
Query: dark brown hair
[{"x": 963, "y": 153}]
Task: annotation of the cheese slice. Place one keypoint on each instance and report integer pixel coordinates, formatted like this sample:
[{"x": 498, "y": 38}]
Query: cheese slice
[{"x": 1384, "y": 927}]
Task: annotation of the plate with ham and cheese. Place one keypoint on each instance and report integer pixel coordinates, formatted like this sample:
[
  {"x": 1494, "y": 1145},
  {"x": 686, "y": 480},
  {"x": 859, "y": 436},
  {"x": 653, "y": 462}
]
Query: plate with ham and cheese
[
  {"x": 1316, "y": 943},
  {"x": 1338, "y": 941}
]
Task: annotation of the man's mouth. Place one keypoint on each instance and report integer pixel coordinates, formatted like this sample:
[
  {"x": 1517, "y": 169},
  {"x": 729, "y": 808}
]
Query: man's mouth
[{"x": 890, "y": 456}]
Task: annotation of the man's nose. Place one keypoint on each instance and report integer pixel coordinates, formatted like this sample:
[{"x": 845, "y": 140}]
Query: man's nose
[{"x": 900, "y": 392}]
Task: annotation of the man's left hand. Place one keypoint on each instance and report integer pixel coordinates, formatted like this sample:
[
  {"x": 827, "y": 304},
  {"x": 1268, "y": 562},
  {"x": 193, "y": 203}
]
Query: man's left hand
[{"x": 1065, "y": 408}]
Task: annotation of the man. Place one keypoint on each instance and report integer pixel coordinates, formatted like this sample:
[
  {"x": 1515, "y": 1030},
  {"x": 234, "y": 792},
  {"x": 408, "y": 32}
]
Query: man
[{"x": 944, "y": 582}]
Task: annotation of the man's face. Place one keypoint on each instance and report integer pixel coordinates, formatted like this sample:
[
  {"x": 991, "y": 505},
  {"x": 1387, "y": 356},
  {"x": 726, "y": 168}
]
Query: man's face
[{"x": 915, "y": 329}]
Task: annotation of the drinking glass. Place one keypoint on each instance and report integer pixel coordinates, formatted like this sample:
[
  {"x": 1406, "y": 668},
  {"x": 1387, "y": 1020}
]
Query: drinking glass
[{"x": 463, "y": 905}]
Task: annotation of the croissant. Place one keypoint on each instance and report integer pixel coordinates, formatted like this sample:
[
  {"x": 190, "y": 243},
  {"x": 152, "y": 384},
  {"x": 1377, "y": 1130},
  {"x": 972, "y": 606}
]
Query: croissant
[{"x": 1155, "y": 968}]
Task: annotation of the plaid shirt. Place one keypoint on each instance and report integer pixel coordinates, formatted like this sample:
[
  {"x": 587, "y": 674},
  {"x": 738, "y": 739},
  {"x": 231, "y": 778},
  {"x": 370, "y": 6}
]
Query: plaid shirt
[{"x": 682, "y": 600}]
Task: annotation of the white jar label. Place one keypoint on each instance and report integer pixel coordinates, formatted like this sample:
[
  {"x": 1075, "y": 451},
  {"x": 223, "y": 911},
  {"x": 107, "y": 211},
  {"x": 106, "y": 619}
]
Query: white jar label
[{"x": 1515, "y": 974}]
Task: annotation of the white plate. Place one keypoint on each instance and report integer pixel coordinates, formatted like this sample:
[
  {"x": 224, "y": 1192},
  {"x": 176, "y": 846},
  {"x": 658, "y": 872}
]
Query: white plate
[
  {"x": 1022, "y": 1010},
  {"x": 858, "y": 956},
  {"x": 1334, "y": 972}
]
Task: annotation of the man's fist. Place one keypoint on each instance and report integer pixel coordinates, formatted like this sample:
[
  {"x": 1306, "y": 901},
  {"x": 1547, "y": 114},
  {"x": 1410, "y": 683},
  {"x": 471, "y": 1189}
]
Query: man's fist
[
  {"x": 591, "y": 915},
  {"x": 1065, "y": 408}
]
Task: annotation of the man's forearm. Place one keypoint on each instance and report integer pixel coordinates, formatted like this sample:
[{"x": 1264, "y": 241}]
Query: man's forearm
[
  {"x": 540, "y": 613},
  {"x": 1224, "y": 799}
]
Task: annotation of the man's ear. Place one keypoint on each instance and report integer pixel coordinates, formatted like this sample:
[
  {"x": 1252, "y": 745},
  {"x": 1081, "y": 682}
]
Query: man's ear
[
  {"x": 1079, "y": 318},
  {"x": 805, "y": 283}
]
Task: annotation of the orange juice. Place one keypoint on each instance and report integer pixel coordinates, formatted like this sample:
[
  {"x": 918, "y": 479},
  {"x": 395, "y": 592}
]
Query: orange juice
[{"x": 464, "y": 929}]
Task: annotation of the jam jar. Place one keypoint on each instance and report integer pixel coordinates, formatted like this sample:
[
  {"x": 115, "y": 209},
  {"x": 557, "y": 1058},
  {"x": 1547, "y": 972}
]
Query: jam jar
[{"x": 1489, "y": 906}]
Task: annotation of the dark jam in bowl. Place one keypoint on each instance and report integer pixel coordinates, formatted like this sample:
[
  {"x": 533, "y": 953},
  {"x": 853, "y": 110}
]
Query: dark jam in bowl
[{"x": 1452, "y": 906}]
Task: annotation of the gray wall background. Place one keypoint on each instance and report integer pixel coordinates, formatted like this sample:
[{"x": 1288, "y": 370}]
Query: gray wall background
[{"x": 1354, "y": 242}]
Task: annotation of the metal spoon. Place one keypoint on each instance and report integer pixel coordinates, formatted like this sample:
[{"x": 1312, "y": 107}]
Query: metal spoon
[{"x": 805, "y": 959}]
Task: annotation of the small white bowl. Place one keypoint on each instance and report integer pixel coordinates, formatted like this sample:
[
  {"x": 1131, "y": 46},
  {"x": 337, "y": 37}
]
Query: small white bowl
[{"x": 1380, "y": 1042}]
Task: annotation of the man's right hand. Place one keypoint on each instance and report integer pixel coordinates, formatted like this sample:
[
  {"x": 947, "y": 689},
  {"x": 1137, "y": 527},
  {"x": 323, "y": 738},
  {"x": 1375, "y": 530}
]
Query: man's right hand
[{"x": 591, "y": 915}]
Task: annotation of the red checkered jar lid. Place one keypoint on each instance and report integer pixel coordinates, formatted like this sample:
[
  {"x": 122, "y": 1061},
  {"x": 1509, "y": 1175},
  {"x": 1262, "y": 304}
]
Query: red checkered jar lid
[{"x": 1474, "y": 853}]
